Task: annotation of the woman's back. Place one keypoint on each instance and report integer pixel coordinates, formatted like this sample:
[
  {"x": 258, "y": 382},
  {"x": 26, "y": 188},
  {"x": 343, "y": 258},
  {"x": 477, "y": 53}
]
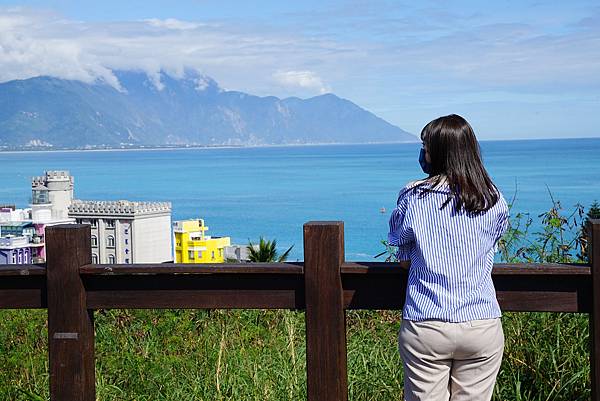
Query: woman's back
[{"x": 451, "y": 255}]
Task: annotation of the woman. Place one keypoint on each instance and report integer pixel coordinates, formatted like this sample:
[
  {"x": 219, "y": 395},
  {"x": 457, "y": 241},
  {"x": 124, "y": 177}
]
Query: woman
[{"x": 451, "y": 340}]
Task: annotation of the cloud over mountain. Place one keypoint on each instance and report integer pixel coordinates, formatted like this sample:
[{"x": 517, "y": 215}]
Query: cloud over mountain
[{"x": 302, "y": 79}]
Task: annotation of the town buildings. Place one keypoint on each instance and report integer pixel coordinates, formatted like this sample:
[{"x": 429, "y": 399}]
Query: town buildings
[
  {"x": 122, "y": 231},
  {"x": 18, "y": 240},
  {"x": 125, "y": 231},
  {"x": 22, "y": 231}
]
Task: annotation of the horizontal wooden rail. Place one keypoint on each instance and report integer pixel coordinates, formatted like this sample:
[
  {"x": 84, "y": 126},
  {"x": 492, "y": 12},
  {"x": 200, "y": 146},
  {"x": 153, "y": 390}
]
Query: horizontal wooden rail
[
  {"x": 324, "y": 286},
  {"x": 23, "y": 270},
  {"x": 23, "y": 287},
  {"x": 184, "y": 268},
  {"x": 216, "y": 290},
  {"x": 366, "y": 285}
]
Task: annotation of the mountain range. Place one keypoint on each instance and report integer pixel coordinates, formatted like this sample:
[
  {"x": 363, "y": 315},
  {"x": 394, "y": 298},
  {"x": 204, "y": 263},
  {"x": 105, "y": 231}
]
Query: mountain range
[{"x": 190, "y": 110}]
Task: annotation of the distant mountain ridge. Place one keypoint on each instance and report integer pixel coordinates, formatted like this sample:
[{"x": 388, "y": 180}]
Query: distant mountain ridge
[{"x": 192, "y": 110}]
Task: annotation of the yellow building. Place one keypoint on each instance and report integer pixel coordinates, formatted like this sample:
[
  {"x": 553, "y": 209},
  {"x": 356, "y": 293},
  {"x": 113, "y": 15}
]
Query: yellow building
[{"x": 192, "y": 245}]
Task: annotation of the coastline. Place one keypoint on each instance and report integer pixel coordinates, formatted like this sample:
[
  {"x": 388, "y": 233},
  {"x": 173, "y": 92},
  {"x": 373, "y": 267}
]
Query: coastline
[
  {"x": 286, "y": 145},
  {"x": 201, "y": 147}
]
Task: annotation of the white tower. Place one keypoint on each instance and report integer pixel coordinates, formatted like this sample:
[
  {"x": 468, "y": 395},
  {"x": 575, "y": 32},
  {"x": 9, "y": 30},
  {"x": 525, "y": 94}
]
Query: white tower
[{"x": 51, "y": 196}]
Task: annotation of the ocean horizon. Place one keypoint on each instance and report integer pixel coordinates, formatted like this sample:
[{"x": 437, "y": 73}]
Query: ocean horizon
[{"x": 270, "y": 191}]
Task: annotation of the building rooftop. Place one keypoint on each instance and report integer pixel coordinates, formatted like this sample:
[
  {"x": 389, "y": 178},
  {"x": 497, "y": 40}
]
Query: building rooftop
[
  {"x": 53, "y": 175},
  {"x": 120, "y": 207}
]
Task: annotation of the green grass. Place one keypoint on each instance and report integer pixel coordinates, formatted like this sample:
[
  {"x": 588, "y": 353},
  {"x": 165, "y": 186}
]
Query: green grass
[{"x": 184, "y": 355}]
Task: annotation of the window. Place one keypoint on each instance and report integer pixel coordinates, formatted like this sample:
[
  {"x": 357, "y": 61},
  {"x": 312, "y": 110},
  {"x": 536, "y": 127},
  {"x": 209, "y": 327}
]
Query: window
[
  {"x": 40, "y": 196},
  {"x": 127, "y": 260},
  {"x": 213, "y": 254},
  {"x": 191, "y": 254},
  {"x": 110, "y": 241},
  {"x": 111, "y": 259},
  {"x": 77, "y": 221},
  {"x": 14, "y": 258},
  {"x": 94, "y": 240},
  {"x": 126, "y": 231},
  {"x": 110, "y": 223},
  {"x": 126, "y": 251},
  {"x": 199, "y": 254},
  {"x": 94, "y": 258},
  {"x": 94, "y": 223},
  {"x": 20, "y": 260},
  {"x": 126, "y": 241}
]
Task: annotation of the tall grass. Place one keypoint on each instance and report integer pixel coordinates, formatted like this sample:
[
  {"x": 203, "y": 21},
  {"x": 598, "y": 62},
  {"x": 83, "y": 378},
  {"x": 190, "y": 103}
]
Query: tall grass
[
  {"x": 182, "y": 355},
  {"x": 260, "y": 355}
]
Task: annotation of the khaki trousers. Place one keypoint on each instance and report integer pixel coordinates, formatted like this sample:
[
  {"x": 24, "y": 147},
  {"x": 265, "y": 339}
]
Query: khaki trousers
[{"x": 450, "y": 361}]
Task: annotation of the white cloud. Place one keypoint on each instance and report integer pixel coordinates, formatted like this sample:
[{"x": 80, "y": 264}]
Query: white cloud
[
  {"x": 301, "y": 79},
  {"x": 28, "y": 48},
  {"x": 172, "y": 23},
  {"x": 276, "y": 61},
  {"x": 39, "y": 43}
]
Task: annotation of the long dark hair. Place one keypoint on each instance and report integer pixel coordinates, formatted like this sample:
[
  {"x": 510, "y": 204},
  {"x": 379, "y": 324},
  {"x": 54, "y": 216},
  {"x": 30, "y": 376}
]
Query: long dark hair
[{"x": 455, "y": 155}]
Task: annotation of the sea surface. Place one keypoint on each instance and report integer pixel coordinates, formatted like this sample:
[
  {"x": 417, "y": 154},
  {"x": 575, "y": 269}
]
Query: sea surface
[{"x": 245, "y": 193}]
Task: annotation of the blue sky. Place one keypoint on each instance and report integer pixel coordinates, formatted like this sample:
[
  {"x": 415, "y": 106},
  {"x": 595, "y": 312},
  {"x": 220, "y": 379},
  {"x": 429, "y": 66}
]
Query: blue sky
[{"x": 515, "y": 69}]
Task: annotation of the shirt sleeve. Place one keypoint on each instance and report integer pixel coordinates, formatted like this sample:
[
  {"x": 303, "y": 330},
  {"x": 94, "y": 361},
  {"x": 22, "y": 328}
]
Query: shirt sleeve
[
  {"x": 501, "y": 223},
  {"x": 400, "y": 233}
]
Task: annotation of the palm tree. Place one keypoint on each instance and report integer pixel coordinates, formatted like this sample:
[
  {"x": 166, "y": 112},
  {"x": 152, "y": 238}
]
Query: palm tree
[{"x": 266, "y": 251}]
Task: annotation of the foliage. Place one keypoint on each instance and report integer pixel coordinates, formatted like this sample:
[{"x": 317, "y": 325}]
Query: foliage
[
  {"x": 556, "y": 242},
  {"x": 31, "y": 396},
  {"x": 389, "y": 252},
  {"x": 593, "y": 213},
  {"x": 546, "y": 354},
  {"x": 266, "y": 251}
]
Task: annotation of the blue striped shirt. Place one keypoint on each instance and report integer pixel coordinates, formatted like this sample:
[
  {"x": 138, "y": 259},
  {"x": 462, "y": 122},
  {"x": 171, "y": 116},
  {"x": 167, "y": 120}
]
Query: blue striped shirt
[{"x": 451, "y": 256}]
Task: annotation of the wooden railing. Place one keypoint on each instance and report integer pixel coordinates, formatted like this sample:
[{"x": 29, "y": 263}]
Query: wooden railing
[{"x": 324, "y": 285}]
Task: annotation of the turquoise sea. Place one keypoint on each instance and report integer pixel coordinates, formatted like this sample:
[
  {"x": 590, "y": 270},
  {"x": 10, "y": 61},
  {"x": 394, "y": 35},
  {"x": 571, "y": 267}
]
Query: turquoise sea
[{"x": 271, "y": 191}]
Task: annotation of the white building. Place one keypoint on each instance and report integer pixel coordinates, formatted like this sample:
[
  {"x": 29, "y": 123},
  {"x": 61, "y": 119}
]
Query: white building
[
  {"x": 51, "y": 195},
  {"x": 126, "y": 232},
  {"x": 15, "y": 250},
  {"x": 239, "y": 253},
  {"x": 9, "y": 215}
]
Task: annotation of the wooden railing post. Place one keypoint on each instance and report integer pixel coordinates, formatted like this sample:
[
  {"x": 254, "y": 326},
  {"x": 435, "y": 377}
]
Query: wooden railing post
[
  {"x": 594, "y": 252},
  {"x": 326, "y": 366},
  {"x": 70, "y": 324}
]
